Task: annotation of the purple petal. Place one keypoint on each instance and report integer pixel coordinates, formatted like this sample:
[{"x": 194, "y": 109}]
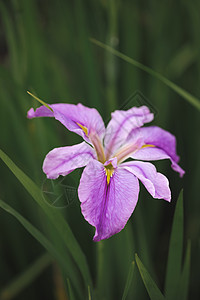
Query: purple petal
[
  {"x": 121, "y": 124},
  {"x": 77, "y": 118},
  {"x": 63, "y": 160},
  {"x": 107, "y": 207},
  {"x": 156, "y": 183},
  {"x": 164, "y": 142}
]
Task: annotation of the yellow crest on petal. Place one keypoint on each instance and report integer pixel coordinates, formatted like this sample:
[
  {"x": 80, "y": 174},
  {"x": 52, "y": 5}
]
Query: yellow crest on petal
[
  {"x": 147, "y": 145},
  {"x": 85, "y": 130},
  {"x": 109, "y": 172}
]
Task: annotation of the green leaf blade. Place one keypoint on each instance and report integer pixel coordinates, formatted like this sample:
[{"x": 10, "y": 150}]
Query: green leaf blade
[
  {"x": 129, "y": 280},
  {"x": 54, "y": 216},
  {"x": 185, "y": 276},
  {"x": 26, "y": 278},
  {"x": 151, "y": 287},
  {"x": 65, "y": 262},
  {"x": 174, "y": 262},
  {"x": 180, "y": 91}
]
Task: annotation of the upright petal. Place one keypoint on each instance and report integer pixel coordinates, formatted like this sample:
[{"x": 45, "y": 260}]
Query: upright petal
[
  {"x": 64, "y": 160},
  {"x": 156, "y": 183},
  {"x": 107, "y": 206},
  {"x": 163, "y": 142},
  {"x": 121, "y": 124},
  {"x": 77, "y": 118}
]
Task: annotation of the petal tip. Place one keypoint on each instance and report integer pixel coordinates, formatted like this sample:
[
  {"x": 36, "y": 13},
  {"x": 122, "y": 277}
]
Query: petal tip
[
  {"x": 181, "y": 173},
  {"x": 30, "y": 113},
  {"x": 168, "y": 199},
  {"x": 96, "y": 239}
]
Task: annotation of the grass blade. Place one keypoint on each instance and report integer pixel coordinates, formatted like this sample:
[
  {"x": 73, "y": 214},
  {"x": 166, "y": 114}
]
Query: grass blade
[
  {"x": 26, "y": 278},
  {"x": 39, "y": 100},
  {"x": 54, "y": 216},
  {"x": 152, "y": 289},
  {"x": 184, "y": 283},
  {"x": 175, "y": 252},
  {"x": 63, "y": 261},
  {"x": 70, "y": 291},
  {"x": 129, "y": 280},
  {"x": 184, "y": 94},
  {"x": 89, "y": 293}
]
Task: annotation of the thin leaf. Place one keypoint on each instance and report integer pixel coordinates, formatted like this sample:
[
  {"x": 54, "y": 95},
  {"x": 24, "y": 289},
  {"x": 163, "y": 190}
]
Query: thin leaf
[
  {"x": 54, "y": 216},
  {"x": 41, "y": 101},
  {"x": 152, "y": 289},
  {"x": 70, "y": 291},
  {"x": 89, "y": 293},
  {"x": 184, "y": 283},
  {"x": 26, "y": 278},
  {"x": 187, "y": 96},
  {"x": 63, "y": 261},
  {"x": 129, "y": 280},
  {"x": 173, "y": 272}
]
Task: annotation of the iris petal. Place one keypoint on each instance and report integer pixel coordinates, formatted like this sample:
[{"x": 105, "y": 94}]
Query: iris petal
[
  {"x": 164, "y": 142},
  {"x": 64, "y": 160},
  {"x": 107, "y": 206},
  {"x": 156, "y": 183},
  {"x": 77, "y": 118},
  {"x": 121, "y": 124}
]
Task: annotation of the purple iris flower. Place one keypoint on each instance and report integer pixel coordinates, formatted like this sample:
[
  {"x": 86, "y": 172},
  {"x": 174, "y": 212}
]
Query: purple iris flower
[{"x": 109, "y": 186}]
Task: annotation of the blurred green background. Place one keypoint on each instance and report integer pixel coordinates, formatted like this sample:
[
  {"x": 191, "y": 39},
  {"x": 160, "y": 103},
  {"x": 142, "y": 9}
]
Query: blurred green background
[{"x": 45, "y": 48}]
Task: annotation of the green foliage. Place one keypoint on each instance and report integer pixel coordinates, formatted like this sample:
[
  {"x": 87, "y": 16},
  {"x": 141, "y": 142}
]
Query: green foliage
[
  {"x": 54, "y": 216},
  {"x": 18, "y": 284},
  {"x": 177, "y": 278},
  {"x": 175, "y": 252},
  {"x": 129, "y": 280},
  {"x": 152, "y": 289},
  {"x": 187, "y": 96}
]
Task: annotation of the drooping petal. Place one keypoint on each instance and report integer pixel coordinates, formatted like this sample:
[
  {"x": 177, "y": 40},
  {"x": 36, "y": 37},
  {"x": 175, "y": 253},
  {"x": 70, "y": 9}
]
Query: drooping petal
[
  {"x": 164, "y": 145},
  {"x": 156, "y": 183},
  {"x": 77, "y": 118},
  {"x": 107, "y": 206},
  {"x": 121, "y": 124},
  {"x": 64, "y": 160}
]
